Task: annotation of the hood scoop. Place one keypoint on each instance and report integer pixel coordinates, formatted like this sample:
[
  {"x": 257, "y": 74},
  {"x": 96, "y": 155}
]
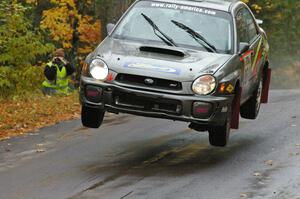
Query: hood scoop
[{"x": 163, "y": 50}]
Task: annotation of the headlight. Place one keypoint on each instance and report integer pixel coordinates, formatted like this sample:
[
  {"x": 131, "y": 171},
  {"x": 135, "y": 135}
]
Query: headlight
[
  {"x": 204, "y": 85},
  {"x": 98, "y": 69}
]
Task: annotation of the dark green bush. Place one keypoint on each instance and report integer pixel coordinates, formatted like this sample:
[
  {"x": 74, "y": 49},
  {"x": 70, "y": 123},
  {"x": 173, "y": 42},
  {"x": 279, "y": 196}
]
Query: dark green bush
[{"x": 20, "y": 81}]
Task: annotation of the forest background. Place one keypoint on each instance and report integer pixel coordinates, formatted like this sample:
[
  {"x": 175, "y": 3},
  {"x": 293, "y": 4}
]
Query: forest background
[{"x": 31, "y": 29}]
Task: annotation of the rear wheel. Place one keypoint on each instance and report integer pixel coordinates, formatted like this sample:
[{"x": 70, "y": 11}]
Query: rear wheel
[
  {"x": 92, "y": 117},
  {"x": 219, "y": 135},
  {"x": 251, "y": 108}
]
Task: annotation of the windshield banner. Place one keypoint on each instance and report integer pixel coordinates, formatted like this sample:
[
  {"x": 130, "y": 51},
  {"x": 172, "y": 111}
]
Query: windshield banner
[{"x": 183, "y": 7}]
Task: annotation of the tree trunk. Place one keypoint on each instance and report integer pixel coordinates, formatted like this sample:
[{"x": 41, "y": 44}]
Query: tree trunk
[
  {"x": 110, "y": 11},
  {"x": 38, "y": 12},
  {"x": 75, "y": 42}
]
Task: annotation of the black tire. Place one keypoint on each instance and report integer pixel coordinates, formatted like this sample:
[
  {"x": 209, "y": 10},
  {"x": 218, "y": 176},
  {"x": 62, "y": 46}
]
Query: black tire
[
  {"x": 250, "y": 109},
  {"x": 91, "y": 117},
  {"x": 219, "y": 135}
]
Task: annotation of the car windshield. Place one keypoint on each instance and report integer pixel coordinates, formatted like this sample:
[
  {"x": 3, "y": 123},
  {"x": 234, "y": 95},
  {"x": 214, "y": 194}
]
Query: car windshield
[{"x": 212, "y": 25}]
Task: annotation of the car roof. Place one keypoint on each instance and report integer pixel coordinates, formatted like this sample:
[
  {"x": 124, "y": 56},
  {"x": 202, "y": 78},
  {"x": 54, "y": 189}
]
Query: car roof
[{"x": 223, "y": 5}]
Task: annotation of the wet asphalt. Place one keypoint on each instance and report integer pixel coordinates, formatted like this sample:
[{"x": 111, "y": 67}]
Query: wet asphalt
[{"x": 136, "y": 157}]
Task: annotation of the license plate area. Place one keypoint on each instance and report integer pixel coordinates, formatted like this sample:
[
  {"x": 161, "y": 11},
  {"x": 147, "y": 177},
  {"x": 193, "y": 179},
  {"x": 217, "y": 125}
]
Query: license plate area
[{"x": 133, "y": 101}]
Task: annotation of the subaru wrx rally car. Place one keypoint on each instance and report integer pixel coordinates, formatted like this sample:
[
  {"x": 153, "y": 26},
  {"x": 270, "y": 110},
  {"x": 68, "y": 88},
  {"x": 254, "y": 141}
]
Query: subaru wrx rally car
[{"x": 204, "y": 62}]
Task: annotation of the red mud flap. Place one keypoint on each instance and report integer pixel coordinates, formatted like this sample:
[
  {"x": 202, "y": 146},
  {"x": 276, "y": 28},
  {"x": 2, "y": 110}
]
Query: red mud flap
[
  {"x": 266, "y": 87},
  {"x": 235, "y": 114}
]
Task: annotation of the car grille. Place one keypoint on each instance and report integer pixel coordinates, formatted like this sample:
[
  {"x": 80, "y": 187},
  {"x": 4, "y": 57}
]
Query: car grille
[
  {"x": 133, "y": 101},
  {"x": 148, "y": 82}
]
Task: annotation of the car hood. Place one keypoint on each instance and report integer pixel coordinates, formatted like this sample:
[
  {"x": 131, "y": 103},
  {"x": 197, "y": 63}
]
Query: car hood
[{"x": 124, "y": 56}]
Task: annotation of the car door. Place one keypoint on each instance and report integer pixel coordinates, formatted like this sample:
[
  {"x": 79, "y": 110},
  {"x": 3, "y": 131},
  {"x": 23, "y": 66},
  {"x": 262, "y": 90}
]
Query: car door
[{"x": 247, "y": 32}]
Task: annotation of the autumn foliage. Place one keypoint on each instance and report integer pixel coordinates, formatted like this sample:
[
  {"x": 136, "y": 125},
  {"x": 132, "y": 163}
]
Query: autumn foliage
[
  {"x": 25, "y": 47},
  {"x": 17, "y": 37},
  {"x": 90, "y": 34},
  {"x": 59, "y": 21},
  {"x": 28, "y": 115}
]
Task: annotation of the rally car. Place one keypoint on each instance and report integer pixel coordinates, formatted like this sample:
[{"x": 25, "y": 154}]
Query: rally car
[{"x": 204, "y": 62}]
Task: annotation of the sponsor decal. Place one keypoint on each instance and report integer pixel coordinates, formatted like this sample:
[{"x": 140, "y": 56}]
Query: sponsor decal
[
  {"x": 151, "y": 67},
  {"x": 257, "y": 57},
  {"x": 229, "y": 88},
  {"x": 247, "y": 59}
]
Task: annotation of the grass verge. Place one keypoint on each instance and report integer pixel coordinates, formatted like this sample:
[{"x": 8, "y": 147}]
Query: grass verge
[{"x": 20, "y": 116}]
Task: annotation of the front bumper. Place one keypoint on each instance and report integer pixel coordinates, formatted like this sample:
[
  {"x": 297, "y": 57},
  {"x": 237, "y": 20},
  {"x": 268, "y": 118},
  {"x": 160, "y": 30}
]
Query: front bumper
[{"x": 205, "y": 110}]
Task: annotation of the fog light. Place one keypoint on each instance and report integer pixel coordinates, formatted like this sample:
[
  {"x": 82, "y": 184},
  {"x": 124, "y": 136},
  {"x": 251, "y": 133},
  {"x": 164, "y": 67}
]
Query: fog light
[
  {"x": 202, "y": 110},
  {"x": 93, "y": 94}
]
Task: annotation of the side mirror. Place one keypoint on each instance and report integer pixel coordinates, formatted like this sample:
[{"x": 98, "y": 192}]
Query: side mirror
[
  {"x": 109, "y": 28},
  {"x": 259, "y": 21},
  {"x": 244, "y": 47}
]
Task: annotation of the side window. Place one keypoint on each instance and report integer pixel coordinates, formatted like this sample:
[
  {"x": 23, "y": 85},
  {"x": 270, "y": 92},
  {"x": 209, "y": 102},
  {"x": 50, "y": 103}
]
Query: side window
[
  {"x": 246, "y": 28},
  {"x": 251, "y": 28},
  {"x": 241, "y": 28}
]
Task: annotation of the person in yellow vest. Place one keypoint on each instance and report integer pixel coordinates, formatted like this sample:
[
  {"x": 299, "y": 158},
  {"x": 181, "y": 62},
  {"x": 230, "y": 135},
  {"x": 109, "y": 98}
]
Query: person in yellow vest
[{"x": 57, "y": 74}]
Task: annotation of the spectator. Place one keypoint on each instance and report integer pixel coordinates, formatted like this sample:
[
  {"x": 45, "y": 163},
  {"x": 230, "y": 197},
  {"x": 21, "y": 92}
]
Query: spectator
[{"x": 57, "y": 74}]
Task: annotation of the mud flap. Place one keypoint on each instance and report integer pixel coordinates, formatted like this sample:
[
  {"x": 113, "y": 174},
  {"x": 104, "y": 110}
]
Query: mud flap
[
  {"x": 266, "y": 87},
  {"x": 235, "y": 114}
]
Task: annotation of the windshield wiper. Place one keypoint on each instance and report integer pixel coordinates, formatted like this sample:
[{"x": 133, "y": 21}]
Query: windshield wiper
[
  {"x": 208, "y": 46},
  {"x": 169, "y": 41}
]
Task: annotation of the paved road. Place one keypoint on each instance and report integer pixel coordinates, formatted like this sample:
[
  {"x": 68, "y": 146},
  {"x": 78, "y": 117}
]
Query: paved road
[{"x": 135, "y": 157}]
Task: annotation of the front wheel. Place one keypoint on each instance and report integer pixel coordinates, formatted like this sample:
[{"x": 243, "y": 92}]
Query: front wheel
[
  {"x": 219, "y": 135},
  {"x": 92, "y": 117}
]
